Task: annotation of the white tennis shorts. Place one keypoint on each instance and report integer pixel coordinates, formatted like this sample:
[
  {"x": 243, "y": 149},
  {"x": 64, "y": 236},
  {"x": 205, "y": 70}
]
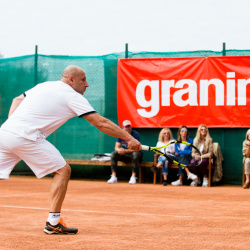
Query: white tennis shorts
[{"x": 41, "y": 156}]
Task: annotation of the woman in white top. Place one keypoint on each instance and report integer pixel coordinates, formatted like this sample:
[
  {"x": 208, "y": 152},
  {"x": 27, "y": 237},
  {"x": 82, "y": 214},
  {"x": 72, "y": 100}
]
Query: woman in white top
[
  {"x": 204, "y": 143},
  {"x": 165, "y": 136}
]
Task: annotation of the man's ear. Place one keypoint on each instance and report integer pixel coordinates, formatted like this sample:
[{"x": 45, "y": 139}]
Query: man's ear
[{"x": 71, "y": 79}]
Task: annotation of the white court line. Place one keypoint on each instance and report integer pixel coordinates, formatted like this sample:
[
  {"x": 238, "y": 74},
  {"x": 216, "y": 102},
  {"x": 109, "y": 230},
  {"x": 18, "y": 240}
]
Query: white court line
[
  {"x": 104, "y": 212},
  {"x": 18, "y": 195}
]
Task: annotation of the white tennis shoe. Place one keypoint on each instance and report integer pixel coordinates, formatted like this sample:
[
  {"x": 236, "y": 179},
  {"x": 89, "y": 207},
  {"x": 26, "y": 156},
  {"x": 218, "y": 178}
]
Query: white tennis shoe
[
  {"x": 195, "y": 182},
  {"x": 192, "y": 176},
  {"x": 112, "y": 180},
  {"x": 205, "y": 182},
  {"x": 132, "y": 180},
  {"x": 176, "y": 183}
]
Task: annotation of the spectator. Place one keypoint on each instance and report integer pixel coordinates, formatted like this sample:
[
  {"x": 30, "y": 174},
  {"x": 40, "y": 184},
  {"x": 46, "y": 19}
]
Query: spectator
[
  {"x": 246, "y": 158},
  {"x": 165, "y": 136},
  {"x": 122, "y": 153},
  {"x": 183, "y": 155},
  {"x": 204, "y": 143}
]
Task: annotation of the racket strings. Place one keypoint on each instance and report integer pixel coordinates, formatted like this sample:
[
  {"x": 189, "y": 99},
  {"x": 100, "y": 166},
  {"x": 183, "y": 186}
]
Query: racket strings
[{"x": 168, "y": 156}]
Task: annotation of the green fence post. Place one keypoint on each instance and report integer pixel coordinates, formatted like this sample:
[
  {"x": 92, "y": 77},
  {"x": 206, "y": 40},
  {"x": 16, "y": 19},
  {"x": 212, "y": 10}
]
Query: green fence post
[
  {"x": 224, "y": 49},
  {"x": 126, "y": 50},
  {"x": 35, "y": 66}
]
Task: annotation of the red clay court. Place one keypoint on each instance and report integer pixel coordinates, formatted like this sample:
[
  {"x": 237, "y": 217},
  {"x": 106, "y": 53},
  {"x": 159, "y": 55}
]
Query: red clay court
[{"x": 123, "y": 216}]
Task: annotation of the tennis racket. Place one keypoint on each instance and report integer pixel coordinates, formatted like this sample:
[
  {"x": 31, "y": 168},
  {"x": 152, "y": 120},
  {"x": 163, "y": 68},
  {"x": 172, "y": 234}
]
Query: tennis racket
[{"x": 171, "y": 157}]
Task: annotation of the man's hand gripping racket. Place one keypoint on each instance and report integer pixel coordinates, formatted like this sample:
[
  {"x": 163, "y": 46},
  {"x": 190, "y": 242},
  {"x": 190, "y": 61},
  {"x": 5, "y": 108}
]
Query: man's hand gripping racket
[{"x": 170, "y": 157}]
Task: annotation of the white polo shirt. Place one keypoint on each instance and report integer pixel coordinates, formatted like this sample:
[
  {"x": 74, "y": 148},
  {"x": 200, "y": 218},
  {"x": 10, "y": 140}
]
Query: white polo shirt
[{"x": 45, "y": 108}]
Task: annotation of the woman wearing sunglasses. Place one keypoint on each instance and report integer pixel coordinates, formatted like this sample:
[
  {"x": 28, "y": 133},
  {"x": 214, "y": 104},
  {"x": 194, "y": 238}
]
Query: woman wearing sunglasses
[
  {"x": 204, "y": 143},
  {"x": 183, "y": 154}
]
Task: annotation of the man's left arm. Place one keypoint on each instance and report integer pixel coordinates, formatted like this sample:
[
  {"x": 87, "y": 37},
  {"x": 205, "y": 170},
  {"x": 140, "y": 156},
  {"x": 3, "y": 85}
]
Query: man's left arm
[{"x": 15, "y": 103}]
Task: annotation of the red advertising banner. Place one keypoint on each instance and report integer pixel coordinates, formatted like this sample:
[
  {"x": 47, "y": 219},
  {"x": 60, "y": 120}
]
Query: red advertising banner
[{"x": 171, "y": 92}]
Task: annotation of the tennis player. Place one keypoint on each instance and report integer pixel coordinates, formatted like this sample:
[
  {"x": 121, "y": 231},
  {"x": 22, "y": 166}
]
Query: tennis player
[{"x": 36, "y": 114}]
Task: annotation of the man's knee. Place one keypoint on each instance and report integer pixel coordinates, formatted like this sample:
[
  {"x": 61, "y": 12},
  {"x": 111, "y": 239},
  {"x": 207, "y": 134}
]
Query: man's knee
[
  {"x": 65, "y": 171},
  {"x": 114, "y": 155},
  {"x": 136, "y": 156},
  {"x": 68, "y": 169}
]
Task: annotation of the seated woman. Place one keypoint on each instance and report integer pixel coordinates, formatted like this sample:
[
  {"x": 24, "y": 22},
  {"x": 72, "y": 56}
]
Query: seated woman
[
  {"x": 165, "y": 136},
  {"x": 183, "y": 155},
  {"x": 204, "y": 143},
  {"x": 246, "y": 158}
]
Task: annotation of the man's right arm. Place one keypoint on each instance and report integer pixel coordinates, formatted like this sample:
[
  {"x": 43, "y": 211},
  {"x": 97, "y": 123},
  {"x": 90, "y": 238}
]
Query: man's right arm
[
  {"x": 15, "y": 103},
  {"x": 117, "y": 146},
  {"x": 119, "y": 149},
  {"x": 108, "y": 127}
]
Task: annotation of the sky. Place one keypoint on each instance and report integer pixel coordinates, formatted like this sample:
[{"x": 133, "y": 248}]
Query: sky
[{"x": 100, "y": 27}]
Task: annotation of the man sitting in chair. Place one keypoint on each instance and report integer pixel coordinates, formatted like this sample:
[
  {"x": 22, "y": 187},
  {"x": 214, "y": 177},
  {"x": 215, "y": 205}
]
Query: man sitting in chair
[{"x": 122, "y": 153}]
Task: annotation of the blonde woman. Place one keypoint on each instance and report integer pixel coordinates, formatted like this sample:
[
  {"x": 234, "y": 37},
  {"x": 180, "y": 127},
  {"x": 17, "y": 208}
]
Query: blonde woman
[
  {"x": 204, "y": 143},
  {"x": 246, "y": 158},
  {"x": 165, "y": 136}
]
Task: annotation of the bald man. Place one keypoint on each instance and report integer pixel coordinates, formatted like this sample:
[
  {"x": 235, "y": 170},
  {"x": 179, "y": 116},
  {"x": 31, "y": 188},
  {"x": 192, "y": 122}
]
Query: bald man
[{"x": 36, "y": 114}]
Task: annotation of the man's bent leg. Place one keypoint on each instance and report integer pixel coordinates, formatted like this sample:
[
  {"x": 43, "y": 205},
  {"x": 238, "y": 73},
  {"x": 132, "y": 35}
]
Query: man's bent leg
[
  {"x": 58, "y": 188},
  {"x": 57, "y": 194},
  {"x": 136, "y": 159},
  {"x": 114, "y": 159}
]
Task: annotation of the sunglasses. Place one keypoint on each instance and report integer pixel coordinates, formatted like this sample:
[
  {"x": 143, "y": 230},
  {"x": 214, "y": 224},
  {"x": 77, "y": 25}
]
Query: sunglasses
[
  {"x": 203, "y": 129},
  {"x": 184, "y": 130}
]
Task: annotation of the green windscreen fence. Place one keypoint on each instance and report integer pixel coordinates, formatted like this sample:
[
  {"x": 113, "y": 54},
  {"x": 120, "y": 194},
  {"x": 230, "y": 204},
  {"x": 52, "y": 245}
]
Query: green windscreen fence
[{"x": 77, "y": 139}]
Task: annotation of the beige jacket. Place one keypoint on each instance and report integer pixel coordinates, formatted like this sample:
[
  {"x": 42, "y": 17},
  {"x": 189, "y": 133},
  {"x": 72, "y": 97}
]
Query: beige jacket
[
  {"x": 218, "y": 172},
  {"x": 244, "y": 148},
  {"x": 207, "y": 150}
]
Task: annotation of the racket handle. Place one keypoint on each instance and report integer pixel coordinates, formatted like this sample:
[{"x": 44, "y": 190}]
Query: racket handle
[{"x": 144, "y": 147}]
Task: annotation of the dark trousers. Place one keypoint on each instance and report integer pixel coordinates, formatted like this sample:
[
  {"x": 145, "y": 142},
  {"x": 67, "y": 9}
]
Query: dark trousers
[
  {"x": 183, "y": 159},
  {"x": 134, "y": 157},
  {"x": 202, "y": 168}
]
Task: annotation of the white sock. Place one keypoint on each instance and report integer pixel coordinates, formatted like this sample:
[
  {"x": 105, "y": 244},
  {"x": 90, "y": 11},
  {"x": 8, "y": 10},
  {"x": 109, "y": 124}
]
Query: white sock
[{"x": 54, "y": 218}]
